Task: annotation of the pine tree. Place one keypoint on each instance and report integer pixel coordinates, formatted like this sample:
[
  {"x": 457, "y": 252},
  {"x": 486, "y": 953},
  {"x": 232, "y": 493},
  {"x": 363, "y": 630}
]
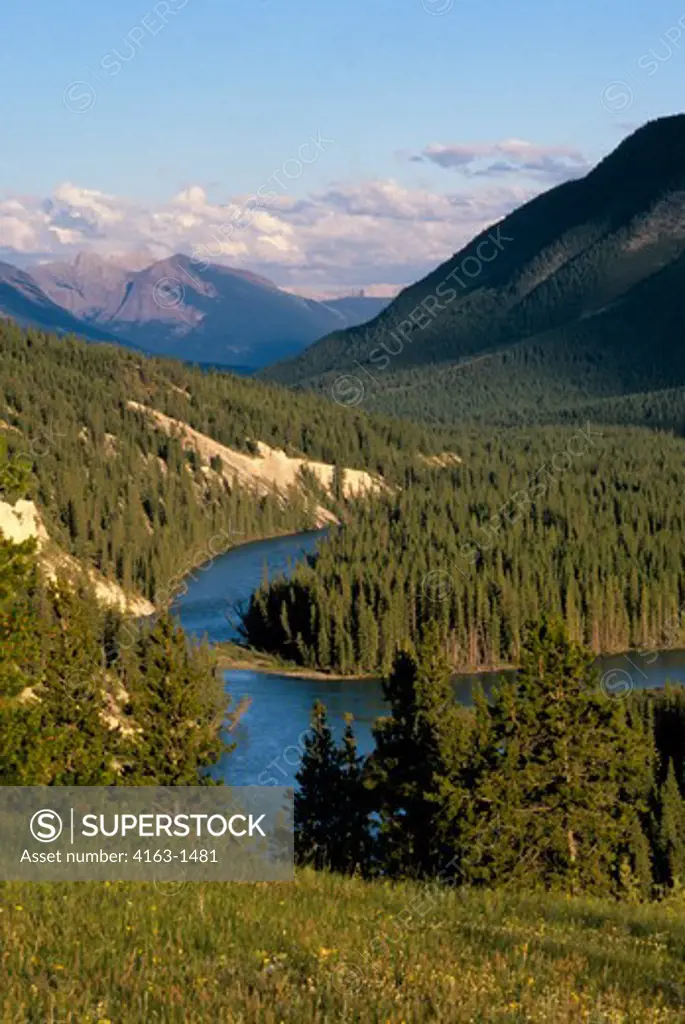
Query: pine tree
[
  {"x": 635, "y": 876},
  {"x": 670, "y": 839},
  {"x": 561, "y": 777},
  {"x": 54, "y": 733},
  {"x": 179, "y": 708},
  {"x": 355, "y": 848},
  {"x": 15, "y": 474},
  {"x": 19, "y": 628},
  {"x": 415, "y": 768},
  {"x": 317, "y": 801},
  {"x": 338, "y": 482},
  {"x": 71, "y": 693}
]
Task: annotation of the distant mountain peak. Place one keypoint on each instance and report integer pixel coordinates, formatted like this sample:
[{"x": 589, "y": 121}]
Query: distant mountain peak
[
  {"x": 22, "y": 299},
  {"x": 133, "y": 260},
  {"x": 178, "y": 306}
]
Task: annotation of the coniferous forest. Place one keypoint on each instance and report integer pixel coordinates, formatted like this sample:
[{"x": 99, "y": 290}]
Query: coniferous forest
[
  {"x": 535, "y": 548},
  {"x": 583, "y": 524},
  {"x": 90, "y": 699},
  {"x": 130, "y": 500},
  {"x": 550, "y": 784}
]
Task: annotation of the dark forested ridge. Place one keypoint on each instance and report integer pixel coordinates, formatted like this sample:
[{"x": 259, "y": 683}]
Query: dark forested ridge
[
  {"x": 575, "y": 299},
  {"x": 128, "y": 499},
  {"x": 586, "y": 524}
]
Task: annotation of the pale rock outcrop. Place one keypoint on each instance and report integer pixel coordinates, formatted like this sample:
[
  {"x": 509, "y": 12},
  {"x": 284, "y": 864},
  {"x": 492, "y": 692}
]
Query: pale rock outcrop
[
  {"x": 22, "y": 521},
  {"x": 271, "y": 470}
]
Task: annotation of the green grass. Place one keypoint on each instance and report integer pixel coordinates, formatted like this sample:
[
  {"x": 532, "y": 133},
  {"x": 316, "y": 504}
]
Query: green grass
[{"x": 332, "y": 949}]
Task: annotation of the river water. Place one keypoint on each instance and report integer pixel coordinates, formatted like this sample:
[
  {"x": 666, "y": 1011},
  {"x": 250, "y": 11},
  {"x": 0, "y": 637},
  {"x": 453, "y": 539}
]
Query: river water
[{"x": 269, "y": 736}]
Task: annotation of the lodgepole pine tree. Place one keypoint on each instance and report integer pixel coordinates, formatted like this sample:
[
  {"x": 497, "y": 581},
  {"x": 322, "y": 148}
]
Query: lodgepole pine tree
[
  {"x": 80, "y": 748},
  {"x": 331, "y": 804},
  {"x": 635, "y": 868},
  {"x": 355, "y": 847}
]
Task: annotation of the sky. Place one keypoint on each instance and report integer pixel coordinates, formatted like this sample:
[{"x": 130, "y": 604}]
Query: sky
[{"x": 329, "y": 146}]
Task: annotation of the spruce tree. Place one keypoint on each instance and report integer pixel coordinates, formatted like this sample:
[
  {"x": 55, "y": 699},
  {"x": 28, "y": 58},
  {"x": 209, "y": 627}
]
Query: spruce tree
[
  {"x": 561, "y": 777},
  {"x": 317, "y": 800},
  {"x": 179, "y": 707},
  {"x": 635, "y": 873},
  {"x": 355, "y": 847},
  {"x": 670, "y": 838},
  {"x": 54, "y": 732},
  {"x": 71, "y": 695},
  {"x": 415, "y": 769}
]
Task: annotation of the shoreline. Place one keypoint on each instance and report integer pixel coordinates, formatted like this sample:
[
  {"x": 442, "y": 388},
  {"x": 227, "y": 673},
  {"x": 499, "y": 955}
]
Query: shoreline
[
  {"x": 240, "y": 659},
  {"x": 234, "y": 657}
]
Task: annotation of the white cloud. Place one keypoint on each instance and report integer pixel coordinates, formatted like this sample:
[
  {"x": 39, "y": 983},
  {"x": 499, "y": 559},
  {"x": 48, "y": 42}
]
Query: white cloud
[
  {"x": 367, "y": 234},
  {"x": 547, "y": 164},
  {"x": 195, "y": 195}
]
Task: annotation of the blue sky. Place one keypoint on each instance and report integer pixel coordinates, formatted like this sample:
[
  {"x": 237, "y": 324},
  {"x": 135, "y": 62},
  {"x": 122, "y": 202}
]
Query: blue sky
[{"x": 139, "y": 124}]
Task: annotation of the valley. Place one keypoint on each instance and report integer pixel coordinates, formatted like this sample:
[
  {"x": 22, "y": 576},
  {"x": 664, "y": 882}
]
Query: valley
[
  {"x": 413, "y": 567},
  {"x": 270, "y": 733}
]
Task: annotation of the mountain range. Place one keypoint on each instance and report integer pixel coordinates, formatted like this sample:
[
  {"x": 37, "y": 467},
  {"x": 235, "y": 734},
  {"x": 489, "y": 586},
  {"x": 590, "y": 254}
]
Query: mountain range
[
  {"x": 25, "y": 301},
  {"x": 201, "y": 313},
  {"x": 572, "y": 304}
]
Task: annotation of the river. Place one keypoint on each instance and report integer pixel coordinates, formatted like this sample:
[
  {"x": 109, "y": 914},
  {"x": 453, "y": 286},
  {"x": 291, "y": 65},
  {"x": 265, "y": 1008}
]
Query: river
[{"x": 269, "y": 736}]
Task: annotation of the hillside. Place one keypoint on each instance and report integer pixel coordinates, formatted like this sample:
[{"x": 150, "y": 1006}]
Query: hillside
[
  {"x": 577, "y": 297},
  {"x": 142, "y": 468},
  {"x": 522, "y": 526},
  {"x": 21, "y": 522},
  {"x": 335, "y": 949}
]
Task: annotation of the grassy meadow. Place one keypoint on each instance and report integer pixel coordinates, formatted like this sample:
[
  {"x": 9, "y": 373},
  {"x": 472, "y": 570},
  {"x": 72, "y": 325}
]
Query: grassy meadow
[{"x": 331, "y": 948}]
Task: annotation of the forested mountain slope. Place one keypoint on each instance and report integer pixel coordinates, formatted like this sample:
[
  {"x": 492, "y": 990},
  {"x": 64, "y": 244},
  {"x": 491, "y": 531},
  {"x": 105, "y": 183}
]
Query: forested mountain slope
[
  {"x": 575, "y": 297},
  {"x": 122, "y": 489},
  {"x": 584, "y": 524}
]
